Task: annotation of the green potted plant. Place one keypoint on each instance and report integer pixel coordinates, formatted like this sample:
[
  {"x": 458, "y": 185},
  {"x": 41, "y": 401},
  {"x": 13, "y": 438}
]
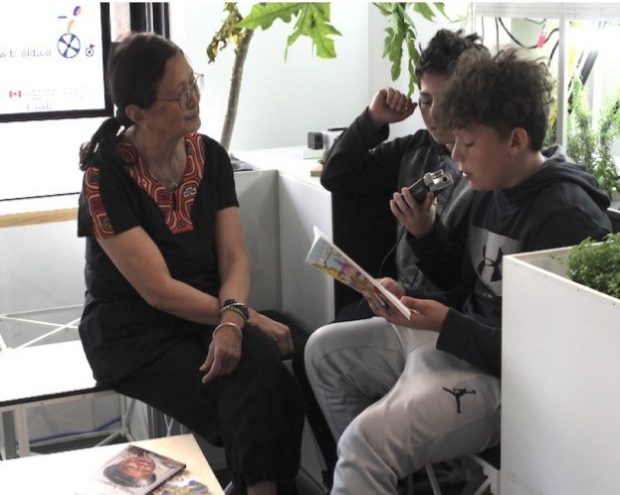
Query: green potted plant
[
  {"x": 591, "y": 145},
  {"x": 597, "y": 264}
]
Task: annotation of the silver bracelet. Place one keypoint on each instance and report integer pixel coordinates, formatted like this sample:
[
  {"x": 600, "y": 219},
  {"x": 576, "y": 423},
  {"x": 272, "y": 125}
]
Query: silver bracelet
[
  {"x": 237, "y": 307},
  {"x": 235, "y": 310},
  {"x": 228, "y": 324}
]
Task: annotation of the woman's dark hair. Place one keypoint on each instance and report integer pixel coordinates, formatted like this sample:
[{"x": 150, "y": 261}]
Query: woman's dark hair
[
  {"x": 443, "y": 50},
  {"x": 135, "y": 66},
  {"x": 503, "y": 92}
]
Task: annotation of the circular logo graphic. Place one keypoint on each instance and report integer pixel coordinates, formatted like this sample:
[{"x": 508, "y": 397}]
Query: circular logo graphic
[{"x": 69, "y": 45}]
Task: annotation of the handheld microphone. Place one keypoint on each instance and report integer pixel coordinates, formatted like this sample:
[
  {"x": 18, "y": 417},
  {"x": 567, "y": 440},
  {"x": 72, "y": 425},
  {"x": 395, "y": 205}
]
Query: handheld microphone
[{"x": 430, "y": 182}]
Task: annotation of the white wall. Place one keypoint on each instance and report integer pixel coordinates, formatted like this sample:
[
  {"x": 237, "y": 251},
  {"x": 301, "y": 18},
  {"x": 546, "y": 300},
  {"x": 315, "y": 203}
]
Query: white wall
[
  {"x": 41, "y": 157},
  {"x": 281, "y": 100}
]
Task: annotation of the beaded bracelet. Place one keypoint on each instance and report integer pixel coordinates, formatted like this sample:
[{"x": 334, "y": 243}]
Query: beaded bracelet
[
  {"x": 235, "y": 310},
  {"x": 236, "y": 307},
  {"x": 228, "y": 324}
]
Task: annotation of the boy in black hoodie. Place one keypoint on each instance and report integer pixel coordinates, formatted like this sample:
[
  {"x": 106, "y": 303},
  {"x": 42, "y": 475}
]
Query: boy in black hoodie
[
  {"x": 437, "y": 373},
  {"x": 363, "y": 164}
]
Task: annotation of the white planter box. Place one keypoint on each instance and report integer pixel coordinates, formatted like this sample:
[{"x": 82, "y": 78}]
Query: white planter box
[{"x": 560, "y": 381}]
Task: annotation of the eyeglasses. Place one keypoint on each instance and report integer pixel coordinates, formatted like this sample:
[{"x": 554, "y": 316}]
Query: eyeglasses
[{"x": 185, "y": 97}]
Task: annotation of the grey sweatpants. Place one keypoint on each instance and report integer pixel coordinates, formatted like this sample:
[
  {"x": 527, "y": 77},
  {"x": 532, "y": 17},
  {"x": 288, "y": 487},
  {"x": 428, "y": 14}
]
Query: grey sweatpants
[{"x": 396, "y": 403}]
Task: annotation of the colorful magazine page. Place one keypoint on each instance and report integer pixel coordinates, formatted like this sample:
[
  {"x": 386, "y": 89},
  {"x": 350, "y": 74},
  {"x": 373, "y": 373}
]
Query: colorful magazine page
[
  {"x": 133, "y": 471},
  {"x": 182, "y": 485},
  {"x": 328, "y": 258}
]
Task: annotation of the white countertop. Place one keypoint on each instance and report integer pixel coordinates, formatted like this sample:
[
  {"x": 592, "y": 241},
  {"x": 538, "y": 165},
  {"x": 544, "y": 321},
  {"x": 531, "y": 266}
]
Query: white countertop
[{"x": 288, "y": 161}]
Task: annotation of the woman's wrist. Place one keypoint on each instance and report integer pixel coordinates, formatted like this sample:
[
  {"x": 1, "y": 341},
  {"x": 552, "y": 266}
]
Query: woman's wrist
[
  {"x": 232, "y": 307},
  {"x": 231, "y": 325}
]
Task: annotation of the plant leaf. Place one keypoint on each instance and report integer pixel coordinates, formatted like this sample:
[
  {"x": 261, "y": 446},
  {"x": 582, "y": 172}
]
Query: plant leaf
[
  {"x": 263, "y": 15},
  {"x": 424, "y": 10},
  {"x": 229, "y": 31},
  {"x": 313, "y": 22}
]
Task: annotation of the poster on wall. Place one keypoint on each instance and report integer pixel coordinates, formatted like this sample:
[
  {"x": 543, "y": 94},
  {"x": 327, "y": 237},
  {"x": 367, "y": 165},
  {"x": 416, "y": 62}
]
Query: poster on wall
[{"x": 52, "y": 58}]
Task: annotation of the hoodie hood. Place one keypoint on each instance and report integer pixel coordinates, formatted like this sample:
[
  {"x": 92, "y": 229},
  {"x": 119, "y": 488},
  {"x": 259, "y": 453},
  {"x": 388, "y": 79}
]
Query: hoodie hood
[{"x": 557, "y": 168}]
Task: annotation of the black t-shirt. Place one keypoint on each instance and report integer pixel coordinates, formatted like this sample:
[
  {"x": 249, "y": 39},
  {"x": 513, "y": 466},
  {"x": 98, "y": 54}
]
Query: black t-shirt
[{"x": 120, "y": 331}]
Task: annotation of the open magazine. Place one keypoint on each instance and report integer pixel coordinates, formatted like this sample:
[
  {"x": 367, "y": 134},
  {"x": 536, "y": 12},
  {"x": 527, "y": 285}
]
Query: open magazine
[
  {"x": 328, "y": 258},
  {"x": 182, "y": 485},
  {"x": 133, "y": 471}
]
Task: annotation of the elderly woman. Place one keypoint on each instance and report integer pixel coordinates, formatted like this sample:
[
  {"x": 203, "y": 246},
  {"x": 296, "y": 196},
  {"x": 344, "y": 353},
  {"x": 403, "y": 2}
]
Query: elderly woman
[{"x": 167, "y": 274}]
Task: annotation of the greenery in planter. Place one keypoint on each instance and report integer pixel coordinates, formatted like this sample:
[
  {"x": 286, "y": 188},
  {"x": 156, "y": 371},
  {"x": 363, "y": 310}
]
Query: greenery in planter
[
  {"x": 592, "y": 146},
  {"x": 597, "y": 264}
]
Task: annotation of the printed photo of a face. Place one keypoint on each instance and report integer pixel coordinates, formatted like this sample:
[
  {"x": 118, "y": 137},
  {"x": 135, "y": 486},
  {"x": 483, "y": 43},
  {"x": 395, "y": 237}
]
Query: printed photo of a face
[{"x": 134, "y": 471}]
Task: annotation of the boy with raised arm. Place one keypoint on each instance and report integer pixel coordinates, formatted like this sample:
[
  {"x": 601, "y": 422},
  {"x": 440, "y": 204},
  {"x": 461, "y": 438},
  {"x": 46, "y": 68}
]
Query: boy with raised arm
[{"x": 361, "y": 164}]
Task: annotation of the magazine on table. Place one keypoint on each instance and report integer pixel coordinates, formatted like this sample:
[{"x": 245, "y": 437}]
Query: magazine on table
[
  {"x": 330, "y": 259},
  {"x": 133, "y": 471},
  {"x": 182, "y": 485}
]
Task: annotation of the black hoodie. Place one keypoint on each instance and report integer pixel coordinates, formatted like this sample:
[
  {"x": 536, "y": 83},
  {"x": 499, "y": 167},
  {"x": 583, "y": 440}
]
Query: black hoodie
[
  {"x": 559, "y": 205},
  {"x": 361, "y": 164}
]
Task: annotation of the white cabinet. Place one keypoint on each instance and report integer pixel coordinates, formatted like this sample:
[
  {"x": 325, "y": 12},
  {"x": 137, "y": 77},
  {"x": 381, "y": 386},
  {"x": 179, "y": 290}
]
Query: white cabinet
[
  {"x": 307, "y": 295},
  {"x": 257, "y": 192},
  {"x": 560, "y": 387}
]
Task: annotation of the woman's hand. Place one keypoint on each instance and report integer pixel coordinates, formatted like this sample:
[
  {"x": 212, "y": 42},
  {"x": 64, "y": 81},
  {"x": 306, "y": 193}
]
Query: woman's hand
[
  {"x": 224, "y": 353},
  {"x": 278, "y": 332},
  {"x": 417, "y": 218}
]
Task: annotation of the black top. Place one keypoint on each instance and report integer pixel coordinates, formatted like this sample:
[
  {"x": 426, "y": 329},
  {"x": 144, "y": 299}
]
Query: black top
[
  {"x": 119, "y": 330},
  {"x": 361, "y": 164},
  {"x": 558, "y": 206}
]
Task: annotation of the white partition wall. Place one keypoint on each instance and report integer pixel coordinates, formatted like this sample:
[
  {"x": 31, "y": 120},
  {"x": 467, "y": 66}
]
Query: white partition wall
[
  {"x": 257, "y": 191},
  {"x": 560, "y": 381},
  {"x": 307, "y": 294}
]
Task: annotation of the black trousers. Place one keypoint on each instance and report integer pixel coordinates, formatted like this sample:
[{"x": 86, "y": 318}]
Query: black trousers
[
  {"x": 256, "y": 411},
  {"x": 357, "y": 310},
  {"x": 316, "y": 420}
]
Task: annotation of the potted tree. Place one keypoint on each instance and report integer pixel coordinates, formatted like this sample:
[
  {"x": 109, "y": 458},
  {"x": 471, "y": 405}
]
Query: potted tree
[{"x": 312, "y": 19}]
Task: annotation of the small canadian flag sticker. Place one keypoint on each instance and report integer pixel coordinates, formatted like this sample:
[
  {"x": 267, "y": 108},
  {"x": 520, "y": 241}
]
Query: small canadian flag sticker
[{"x": 15, "y": 94}]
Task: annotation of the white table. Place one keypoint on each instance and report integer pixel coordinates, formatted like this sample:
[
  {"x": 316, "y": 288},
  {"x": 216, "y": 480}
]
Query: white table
[
  {"x": 61, "y": 473},
  {"x": 37, "y": 375}
]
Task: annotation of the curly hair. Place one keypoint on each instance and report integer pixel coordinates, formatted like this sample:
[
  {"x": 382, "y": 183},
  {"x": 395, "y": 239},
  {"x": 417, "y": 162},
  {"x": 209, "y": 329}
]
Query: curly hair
[
  {"x": 443, "y": 50},
  {"x": 503, "y": 92}
]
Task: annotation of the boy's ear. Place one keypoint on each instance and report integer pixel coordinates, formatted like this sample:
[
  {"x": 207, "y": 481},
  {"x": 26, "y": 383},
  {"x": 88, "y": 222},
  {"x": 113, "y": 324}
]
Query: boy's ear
[{"x": 518, "y": 140}]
